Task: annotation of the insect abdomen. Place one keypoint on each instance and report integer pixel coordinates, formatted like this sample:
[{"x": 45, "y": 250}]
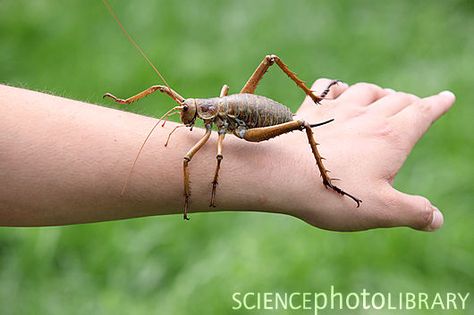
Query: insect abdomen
[{"x": 255, "y": 110}]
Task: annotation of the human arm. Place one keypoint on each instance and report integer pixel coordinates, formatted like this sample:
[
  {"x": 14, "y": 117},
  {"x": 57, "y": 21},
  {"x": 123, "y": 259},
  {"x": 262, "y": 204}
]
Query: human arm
[{"x": 65, "y": 162}]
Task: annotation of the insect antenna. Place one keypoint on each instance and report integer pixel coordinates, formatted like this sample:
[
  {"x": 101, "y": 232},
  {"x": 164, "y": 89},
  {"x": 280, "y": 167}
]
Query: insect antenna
[
  {"x": 168, "y": 113},
  {"x": 132, "y": 41},
  {"x": 140, "y": 50}
]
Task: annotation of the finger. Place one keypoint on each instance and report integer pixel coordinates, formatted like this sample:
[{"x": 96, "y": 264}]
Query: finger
[
  {"x": 318, "y": 87},
  {"x": 418, "y": 116},
  {"x": 392, "y": 103},
  {"x": 363, "y": 94},
  {"x": 416, "y": 212}
]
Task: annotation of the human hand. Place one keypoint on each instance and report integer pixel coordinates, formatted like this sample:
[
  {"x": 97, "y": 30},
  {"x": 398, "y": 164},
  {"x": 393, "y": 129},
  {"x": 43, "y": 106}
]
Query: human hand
[{"x": 373, "y": 133}]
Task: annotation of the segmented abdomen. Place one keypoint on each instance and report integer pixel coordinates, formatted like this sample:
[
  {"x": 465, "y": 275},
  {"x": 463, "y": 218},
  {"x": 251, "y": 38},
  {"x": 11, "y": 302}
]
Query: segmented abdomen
[{"x": 255, "y": 110}]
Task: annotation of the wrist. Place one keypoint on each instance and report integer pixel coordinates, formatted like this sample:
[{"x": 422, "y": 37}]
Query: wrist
[{"x": 272, "y": 178}]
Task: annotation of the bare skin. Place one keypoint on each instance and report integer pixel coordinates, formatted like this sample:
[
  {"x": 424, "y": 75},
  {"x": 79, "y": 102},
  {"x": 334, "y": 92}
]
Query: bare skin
[{"x": 64, "y": 162}]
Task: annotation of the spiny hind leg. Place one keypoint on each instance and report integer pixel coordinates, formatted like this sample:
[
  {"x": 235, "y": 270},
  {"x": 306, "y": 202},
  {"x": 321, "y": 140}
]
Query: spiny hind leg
[
  {"x": 219, "y": 158},
  {"x": 266, "y": 63},
  {"x": 266, "y": 133},
  {"x": 164, "y": 89},
  {"x": 324, "y": 172},
  {"x": 187, "y": 158},
  {"x": 258, "y": 74}
]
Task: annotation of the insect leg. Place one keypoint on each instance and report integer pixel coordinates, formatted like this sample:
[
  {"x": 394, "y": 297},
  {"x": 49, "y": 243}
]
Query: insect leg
[
  {"x": 186, "y": 160},
  {"x": 324, "y": 172},
  {"x": 255, "y": 78},
  {"x": 326, "y": 91},
  {"x": 219, "y": 158},
  {"x": 164, "y": 89},
  {"x": 266, "y": 133},
  {"x": 172, "y": 131},
  {"x": 268, "y": 61}
]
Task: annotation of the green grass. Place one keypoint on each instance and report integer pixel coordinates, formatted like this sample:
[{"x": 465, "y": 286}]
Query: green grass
[{"x": 160, "y": 265}]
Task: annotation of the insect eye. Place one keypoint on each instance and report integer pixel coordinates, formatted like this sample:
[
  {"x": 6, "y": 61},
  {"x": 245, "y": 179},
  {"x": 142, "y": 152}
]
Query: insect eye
[{"x": 185, "y": 108}]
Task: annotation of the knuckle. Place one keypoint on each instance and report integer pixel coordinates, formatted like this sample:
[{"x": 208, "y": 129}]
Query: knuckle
[
  {"x": 425, "y": 212},
  {"x": 424, "y": 107},
  {"x": 387, "y": 131},
  {"x": 390, "y": 134},
  {"x": 320, "y": 83},
  {"x": 388, "y": 203},
  {"x": 400, "y": 95},
  {"x": 366, "y": 86},
  {"x": 413, "y": 97},
  {"x": 323, "y": 80},
  {"x": 355, "y": 111},
  {"x": 418, "y": 119},
  {"x": 406, "y": 96}
]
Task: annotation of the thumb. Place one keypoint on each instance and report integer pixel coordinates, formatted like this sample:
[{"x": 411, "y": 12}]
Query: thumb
[{"x": 416, "y": 212}]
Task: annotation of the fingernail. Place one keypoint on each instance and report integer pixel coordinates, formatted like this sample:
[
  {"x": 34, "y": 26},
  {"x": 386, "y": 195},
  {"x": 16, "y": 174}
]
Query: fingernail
[
  {"x": 448, "y": 94},
  {"x": 437, "y": 221},
  {"x": 389, "y": 90}
]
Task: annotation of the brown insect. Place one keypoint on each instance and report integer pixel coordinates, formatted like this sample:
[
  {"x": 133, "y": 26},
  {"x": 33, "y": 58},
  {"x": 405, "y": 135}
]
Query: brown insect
[{"x": 248, "y": 116}]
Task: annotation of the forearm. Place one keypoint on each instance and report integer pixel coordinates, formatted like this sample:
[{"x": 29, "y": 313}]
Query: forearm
[{"x": 65, "y": 161}]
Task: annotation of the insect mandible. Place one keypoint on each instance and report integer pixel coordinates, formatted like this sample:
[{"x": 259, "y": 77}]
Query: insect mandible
[{"x": 248, "y": 116}]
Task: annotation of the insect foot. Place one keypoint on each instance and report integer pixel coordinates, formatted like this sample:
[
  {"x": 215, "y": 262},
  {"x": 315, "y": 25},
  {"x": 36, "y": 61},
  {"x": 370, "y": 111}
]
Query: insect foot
[
  {"x": 328, "y": 184},
  {"x": 116, "y": 99}
]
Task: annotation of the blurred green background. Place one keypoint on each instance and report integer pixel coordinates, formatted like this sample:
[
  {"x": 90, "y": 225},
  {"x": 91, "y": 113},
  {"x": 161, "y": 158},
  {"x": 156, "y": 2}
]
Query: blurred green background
[{"x": 161, "y": 265}]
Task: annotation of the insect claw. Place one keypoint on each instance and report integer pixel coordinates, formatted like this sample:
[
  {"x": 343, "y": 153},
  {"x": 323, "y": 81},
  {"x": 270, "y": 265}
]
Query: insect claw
[
  {"x": 109, "y": 95},
  {"x": 186, "y": 205},
  {"x": 118, "y": 100}
]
